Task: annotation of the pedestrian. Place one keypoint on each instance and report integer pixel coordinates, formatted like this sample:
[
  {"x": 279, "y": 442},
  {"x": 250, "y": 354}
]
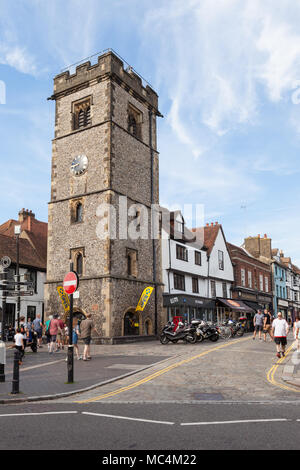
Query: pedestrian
[
  {"x": 268, "y": 318},
  {"x": 76, "y": 333},
  {"x": 296, "y": 331},
  {"x": 280, "y": 329},
  {"x": 38, "y": 328},
  {"x": 19, "y": 344},
  {"x": 61, "y": 334},
  {"x": 53, "y": 328},
  {"x": 86, "y": 328},
  {"x": 66, "y": 334},
  {"x": 29, "y": 332},
  {"x": 47, "y": 331},
  {"x": 23, "y": 331},
  {"x": 258, "y": 323}
]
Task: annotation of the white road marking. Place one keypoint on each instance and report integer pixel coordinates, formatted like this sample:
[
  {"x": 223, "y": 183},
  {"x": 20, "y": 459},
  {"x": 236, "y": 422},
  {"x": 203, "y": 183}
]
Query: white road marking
[
  {"x": 40, "y": 414},
  {"x": 22, "y": 369},
  {"x": 235, "y": 422},
  {"x": 126, "y": 418}
]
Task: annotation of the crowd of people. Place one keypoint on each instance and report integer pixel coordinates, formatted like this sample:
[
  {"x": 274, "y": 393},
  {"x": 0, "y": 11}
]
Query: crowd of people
[
  {"x": 277, "y": 328},
  {"x": 56, "y": 332}
]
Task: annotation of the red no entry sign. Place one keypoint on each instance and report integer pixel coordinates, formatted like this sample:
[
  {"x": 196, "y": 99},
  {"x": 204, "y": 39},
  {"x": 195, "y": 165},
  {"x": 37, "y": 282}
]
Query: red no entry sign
[{"x": 71, "y": 282}]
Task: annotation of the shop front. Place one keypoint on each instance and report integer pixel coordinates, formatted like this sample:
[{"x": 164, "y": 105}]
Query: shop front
[
  {"x": 189, "y": 307},
  {"x": 233, "y": 309}
]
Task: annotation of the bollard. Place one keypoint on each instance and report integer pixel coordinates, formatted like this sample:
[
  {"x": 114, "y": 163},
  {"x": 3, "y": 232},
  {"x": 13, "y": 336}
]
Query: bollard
[
  {"x": 70, "y": 364},
  {"x": 2, "y": 361},
  {"x": 16, "y": 381}
]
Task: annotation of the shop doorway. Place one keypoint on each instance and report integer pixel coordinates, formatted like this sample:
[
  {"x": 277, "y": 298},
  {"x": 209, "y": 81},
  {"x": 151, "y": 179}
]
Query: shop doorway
[{"x": 131, "y": 323}]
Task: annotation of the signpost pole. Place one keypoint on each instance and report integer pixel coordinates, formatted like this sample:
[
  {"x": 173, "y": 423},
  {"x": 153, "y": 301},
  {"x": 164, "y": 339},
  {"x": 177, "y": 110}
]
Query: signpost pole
[
  {"x": 3, "y": 319},
  {"x": 70, "y": 346}
]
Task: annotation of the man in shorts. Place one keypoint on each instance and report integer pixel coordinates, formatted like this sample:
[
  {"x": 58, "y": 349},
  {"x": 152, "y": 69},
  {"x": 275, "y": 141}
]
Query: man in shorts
[
  {"x": 86, "y": 327},
  {"x": 54, "y": 328},
  {"x": 280, "y": 329},
  {"x": 267, "y": 324},
  {"x": 258, "y": 323},
  {"x": 38, "y": 328}
]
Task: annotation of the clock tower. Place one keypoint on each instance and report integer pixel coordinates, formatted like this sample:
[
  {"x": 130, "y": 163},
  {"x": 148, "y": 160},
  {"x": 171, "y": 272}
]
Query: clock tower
[{"x": 104, "y": 196}]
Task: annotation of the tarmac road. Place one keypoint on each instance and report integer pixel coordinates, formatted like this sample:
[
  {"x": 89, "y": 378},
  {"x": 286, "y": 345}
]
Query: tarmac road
[{"x": 205, "y": 396}]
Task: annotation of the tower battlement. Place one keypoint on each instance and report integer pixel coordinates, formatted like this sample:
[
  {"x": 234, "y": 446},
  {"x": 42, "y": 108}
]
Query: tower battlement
[{"x": 108, "y": 65}]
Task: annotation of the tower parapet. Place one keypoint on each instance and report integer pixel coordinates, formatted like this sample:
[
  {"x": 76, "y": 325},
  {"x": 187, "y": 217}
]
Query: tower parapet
[{"x": 109, "y": 65}]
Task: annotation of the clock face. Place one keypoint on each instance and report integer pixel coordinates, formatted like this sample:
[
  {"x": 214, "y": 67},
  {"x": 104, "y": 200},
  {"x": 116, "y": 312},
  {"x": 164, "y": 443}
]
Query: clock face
[{"x": 79, "y": 165}]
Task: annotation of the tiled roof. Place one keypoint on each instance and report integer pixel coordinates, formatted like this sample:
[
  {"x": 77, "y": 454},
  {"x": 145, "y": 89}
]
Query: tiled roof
[
  {"x": 33, "y": 240},
  {"x": 28, "y": 255},
  {"x": 239, "y": 250}
]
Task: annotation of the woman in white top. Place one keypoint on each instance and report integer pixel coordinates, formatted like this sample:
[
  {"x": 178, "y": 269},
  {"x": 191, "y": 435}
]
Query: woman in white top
[{"x": 19, "y": 344}]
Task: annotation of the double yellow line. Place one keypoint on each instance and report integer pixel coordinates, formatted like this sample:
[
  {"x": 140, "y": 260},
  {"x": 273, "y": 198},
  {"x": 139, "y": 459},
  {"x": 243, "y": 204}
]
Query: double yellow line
[
  {"x": 272, "y": 371},
  {"x": 158, "y": 373}
]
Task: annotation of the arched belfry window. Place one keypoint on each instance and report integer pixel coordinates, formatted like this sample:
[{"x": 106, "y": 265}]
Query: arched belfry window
[
  {"x": 76, "y": 211},
  {"x": 134, "y": 121},
  {"x": 77, "y": 256},
  {"x": 81, "y": 114},
  {"x": 132, "y": 126},
  {"x": 79, "y": 264},
  {"x": 78, "y": 215}
]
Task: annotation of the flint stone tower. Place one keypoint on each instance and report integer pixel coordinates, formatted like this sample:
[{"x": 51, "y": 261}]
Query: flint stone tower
[{"x": 105, "y": 150}]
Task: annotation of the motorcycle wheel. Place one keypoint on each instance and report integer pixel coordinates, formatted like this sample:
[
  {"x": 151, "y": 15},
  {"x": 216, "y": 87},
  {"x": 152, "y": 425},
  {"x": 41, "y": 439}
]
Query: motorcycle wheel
[
  {"x": 192, "y": 338},
  {"x": 225, "y": 333},
  {"x": 240, "y": 333},
  {"x": 200, "y": 338},
  {"x": 214, "y": 338},
  {"x": 163, "y": 339}
]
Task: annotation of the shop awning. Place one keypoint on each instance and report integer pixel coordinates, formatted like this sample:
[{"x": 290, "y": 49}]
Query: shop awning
[
  {"x": 254, "y": 305},
  {"x": 236, "y": 305}
]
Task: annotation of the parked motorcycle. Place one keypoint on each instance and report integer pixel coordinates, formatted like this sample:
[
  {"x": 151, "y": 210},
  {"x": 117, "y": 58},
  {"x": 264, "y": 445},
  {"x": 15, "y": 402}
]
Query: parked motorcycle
[
  {"x": 237, "y": 328},
  {"x": 206, "y": 330},
  {"x": 183, "y": 331}
]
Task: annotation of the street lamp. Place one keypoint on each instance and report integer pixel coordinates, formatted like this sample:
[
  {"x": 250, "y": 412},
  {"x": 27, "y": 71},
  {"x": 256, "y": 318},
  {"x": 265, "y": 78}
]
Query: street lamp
[{"x": 17, "y": 234}]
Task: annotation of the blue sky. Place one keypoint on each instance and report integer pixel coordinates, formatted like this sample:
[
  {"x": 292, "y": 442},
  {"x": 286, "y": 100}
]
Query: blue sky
[{"x": 228, "y": 77}]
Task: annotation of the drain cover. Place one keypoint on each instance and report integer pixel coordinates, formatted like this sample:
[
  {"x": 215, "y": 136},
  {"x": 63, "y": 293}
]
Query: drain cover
[{"x": 208, "y": 396}]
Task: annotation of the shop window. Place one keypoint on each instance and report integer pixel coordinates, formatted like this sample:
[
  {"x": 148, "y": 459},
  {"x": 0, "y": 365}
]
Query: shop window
[{"x": 31, "y": 312}]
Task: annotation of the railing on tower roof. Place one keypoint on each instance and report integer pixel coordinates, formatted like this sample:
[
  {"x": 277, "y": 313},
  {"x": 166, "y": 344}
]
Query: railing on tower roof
[{"x": 128, "y": 68}]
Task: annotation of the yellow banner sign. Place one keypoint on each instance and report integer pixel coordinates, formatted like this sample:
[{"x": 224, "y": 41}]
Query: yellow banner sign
[
  {"x": 144, "y": 299},
  {"x": 64, "y": 298}
]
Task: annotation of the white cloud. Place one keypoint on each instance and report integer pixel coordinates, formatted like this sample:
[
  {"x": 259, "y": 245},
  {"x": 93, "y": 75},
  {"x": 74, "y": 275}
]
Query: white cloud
[{"x": 18, "y": 58}]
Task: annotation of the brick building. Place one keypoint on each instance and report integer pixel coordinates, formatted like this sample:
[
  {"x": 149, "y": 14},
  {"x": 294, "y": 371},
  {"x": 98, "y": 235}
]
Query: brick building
[
  {"x": 32, "y": 262},
  {"x": 252, "y": 280},
  {"x": 104, "y": 169}
]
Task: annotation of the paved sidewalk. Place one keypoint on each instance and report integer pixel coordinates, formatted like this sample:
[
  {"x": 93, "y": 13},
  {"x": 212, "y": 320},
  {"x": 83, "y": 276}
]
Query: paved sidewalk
[
  {"x": 44, "y": 376},
  {"x": 291, "y": 370}
]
